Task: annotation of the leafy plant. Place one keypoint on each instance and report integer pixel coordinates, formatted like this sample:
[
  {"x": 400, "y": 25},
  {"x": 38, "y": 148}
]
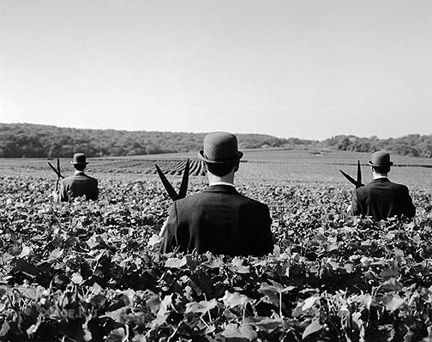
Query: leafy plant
[{"x": 89, "y": 271}]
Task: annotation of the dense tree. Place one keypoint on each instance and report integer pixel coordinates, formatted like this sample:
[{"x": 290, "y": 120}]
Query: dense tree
[
  {"x": 415, "y": 145},
  {"x": 28, "y": 140}
]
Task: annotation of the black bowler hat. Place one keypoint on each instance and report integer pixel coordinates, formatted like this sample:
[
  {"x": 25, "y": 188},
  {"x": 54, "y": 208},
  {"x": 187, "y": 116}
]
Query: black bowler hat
[
  {"x": 380, "y": 158},
  {"x": 79, "y": 159},
  {"x": 220, "y": 148}
]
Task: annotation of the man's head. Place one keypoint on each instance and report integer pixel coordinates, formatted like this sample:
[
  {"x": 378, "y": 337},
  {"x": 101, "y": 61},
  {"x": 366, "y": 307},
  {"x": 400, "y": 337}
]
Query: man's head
[
  {"x": 79, "y": 161},
  {"x": 380, "y": 162},
  {"x": 220, "y": 153}
]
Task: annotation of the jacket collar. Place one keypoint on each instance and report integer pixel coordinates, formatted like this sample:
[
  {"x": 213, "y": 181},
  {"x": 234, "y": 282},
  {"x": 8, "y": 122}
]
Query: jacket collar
[
  {"x": 221, "y": 188},
  {"x": 381, "y": 180}
]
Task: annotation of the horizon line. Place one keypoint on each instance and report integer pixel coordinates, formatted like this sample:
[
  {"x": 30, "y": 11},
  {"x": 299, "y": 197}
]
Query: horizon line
[{"x": 201, "y": 132}]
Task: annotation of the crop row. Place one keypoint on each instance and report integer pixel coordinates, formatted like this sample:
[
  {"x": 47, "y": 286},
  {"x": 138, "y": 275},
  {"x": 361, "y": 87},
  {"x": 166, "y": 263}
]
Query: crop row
[{"x": 176, "y": 167}]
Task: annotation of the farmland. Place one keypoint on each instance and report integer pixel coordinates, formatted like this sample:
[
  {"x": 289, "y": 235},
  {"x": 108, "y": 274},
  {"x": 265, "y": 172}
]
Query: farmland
[
  {"x": 257, "y": 165},
  {"x": 87, "y": 271}
]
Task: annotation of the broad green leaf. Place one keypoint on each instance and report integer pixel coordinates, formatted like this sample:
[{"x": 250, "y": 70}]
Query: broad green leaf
[
  {"x": 232, "y": 300},
  {"x": 388, "y": 273},
  {"x": 271, "y": 294},
  {"x": 399, "y": 253},
  {"x": 163, "y": 312},
  {"x": 4, "y": 329},
  {"x": 77, "y": 278},
  {"x": 238, "y": 267},
  {"x": 312, "y": 328},
  {"x": 244, "y": 331},
  {"x": 266, "y": 324},
  {"x": 201, "y": 307},
  {"x": 117, "y": 335},
  {"x": 175, "y": 262},
  {"x": 55, "y": 254},
  {"x": 392, "y": 302},
  {"x": 95, "y": 289},
  {"x": 309, "y": 302},
  {"x": 154, "y": 240},
  {"x": 25, "y": 251},
  {"x": 153, "y": 304}
]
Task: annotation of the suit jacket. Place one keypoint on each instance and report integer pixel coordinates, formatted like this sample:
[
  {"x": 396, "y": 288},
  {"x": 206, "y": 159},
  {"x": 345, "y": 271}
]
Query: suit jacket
[
  {"x": 382, "y": 199},
  {"x": 79, "y": 185},
  {"x": 219, "y": 220}
]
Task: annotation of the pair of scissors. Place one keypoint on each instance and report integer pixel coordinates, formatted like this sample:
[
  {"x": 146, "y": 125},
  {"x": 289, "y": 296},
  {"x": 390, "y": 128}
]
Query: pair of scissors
[{"x": 170, "y": 189}]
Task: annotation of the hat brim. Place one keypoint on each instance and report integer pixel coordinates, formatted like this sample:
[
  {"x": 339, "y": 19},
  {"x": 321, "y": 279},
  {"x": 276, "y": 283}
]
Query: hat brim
[
  {"x": 203, "y": 158},
  {"x": 379, "y": 165},
  {"x": 78, "y": 163}
]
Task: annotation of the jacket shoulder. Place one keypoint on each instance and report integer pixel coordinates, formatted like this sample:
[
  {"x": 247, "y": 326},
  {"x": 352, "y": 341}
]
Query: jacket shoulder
[
  {"x": 398, "y": 187},
  {"x": 79, "y": 178},
  {"x": 401, "y": 186},
  {"x": 253, "y": 202},
  {"x": 363, "y": 189},
  {"x": 92, "y": 178},
  {"x": 190, "y": 200},
  {"x": 203, "y": 196}
]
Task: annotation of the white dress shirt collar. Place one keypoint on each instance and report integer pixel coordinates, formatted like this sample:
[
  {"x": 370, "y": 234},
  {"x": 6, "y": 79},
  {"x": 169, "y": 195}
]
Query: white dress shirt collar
[
  {"x": 222, "y": 183},
  {"x": 379, "y": 177}
]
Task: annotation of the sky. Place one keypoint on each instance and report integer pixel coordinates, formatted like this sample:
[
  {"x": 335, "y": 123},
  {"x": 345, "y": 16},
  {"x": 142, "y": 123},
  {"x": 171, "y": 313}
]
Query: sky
[{"x": 291, "y": 68}]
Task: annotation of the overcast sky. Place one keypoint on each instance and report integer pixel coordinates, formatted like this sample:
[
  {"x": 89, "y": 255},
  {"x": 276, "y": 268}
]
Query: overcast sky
[{"x": 304, "y": 68}]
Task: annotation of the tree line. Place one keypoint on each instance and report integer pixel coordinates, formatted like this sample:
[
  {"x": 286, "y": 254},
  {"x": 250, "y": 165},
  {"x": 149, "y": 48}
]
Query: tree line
[
  {"x": 42, "y": 141},
  {"x": 30, "y": 140},
  {"x": 415, "y": 145}
]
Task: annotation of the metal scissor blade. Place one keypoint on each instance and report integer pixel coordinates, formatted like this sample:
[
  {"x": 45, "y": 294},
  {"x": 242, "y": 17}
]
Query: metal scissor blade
[
  {"x": 185, "y": 181},
  {"x": 55, "y": 170},
  {"x": 352, "y": 180},
  {"x": 168, "y": 187},
  {"x": 359, "y": 175}
]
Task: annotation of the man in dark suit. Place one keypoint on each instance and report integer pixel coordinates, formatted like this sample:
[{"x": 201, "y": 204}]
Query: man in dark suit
[
  {"x": 79, "y": 184},
  {"x": 219, "y": 219},
  {"x": 381, "y": 198}
]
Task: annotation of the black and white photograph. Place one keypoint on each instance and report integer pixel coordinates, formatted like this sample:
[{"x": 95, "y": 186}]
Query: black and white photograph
[{"x": 216, "y": 171}]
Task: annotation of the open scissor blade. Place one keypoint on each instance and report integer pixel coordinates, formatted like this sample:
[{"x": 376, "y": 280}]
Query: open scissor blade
[
  {"x": 359, "y": 175},
  {"x": 352, "y": 180},
  {"x": 185, "y": 181},
  {"x": 168, "y": 187},
  {"x": 55, "y": 170}
]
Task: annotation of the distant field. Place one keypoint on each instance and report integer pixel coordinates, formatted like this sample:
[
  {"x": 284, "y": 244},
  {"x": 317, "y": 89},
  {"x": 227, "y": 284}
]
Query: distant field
[{"x": 268, "y": 166}]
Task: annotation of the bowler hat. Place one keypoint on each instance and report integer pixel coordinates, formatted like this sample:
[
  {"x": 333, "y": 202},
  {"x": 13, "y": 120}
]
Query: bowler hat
[
  {"x": 380, "y": 158},
  {"x": 219, "y": 148},
  {"x": 79, "y": 159}
]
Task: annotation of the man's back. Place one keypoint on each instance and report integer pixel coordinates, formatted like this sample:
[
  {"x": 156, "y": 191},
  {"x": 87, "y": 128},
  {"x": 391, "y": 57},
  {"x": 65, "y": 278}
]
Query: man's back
[
  {"x": 219, "y": 220},
  {"x": 382, "y": 199},
  {"x": 79, "y": 185}
]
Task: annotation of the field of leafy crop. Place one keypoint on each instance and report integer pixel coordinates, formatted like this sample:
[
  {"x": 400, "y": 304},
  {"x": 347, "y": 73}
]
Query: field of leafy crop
[{"x": 86, "y": 271}]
